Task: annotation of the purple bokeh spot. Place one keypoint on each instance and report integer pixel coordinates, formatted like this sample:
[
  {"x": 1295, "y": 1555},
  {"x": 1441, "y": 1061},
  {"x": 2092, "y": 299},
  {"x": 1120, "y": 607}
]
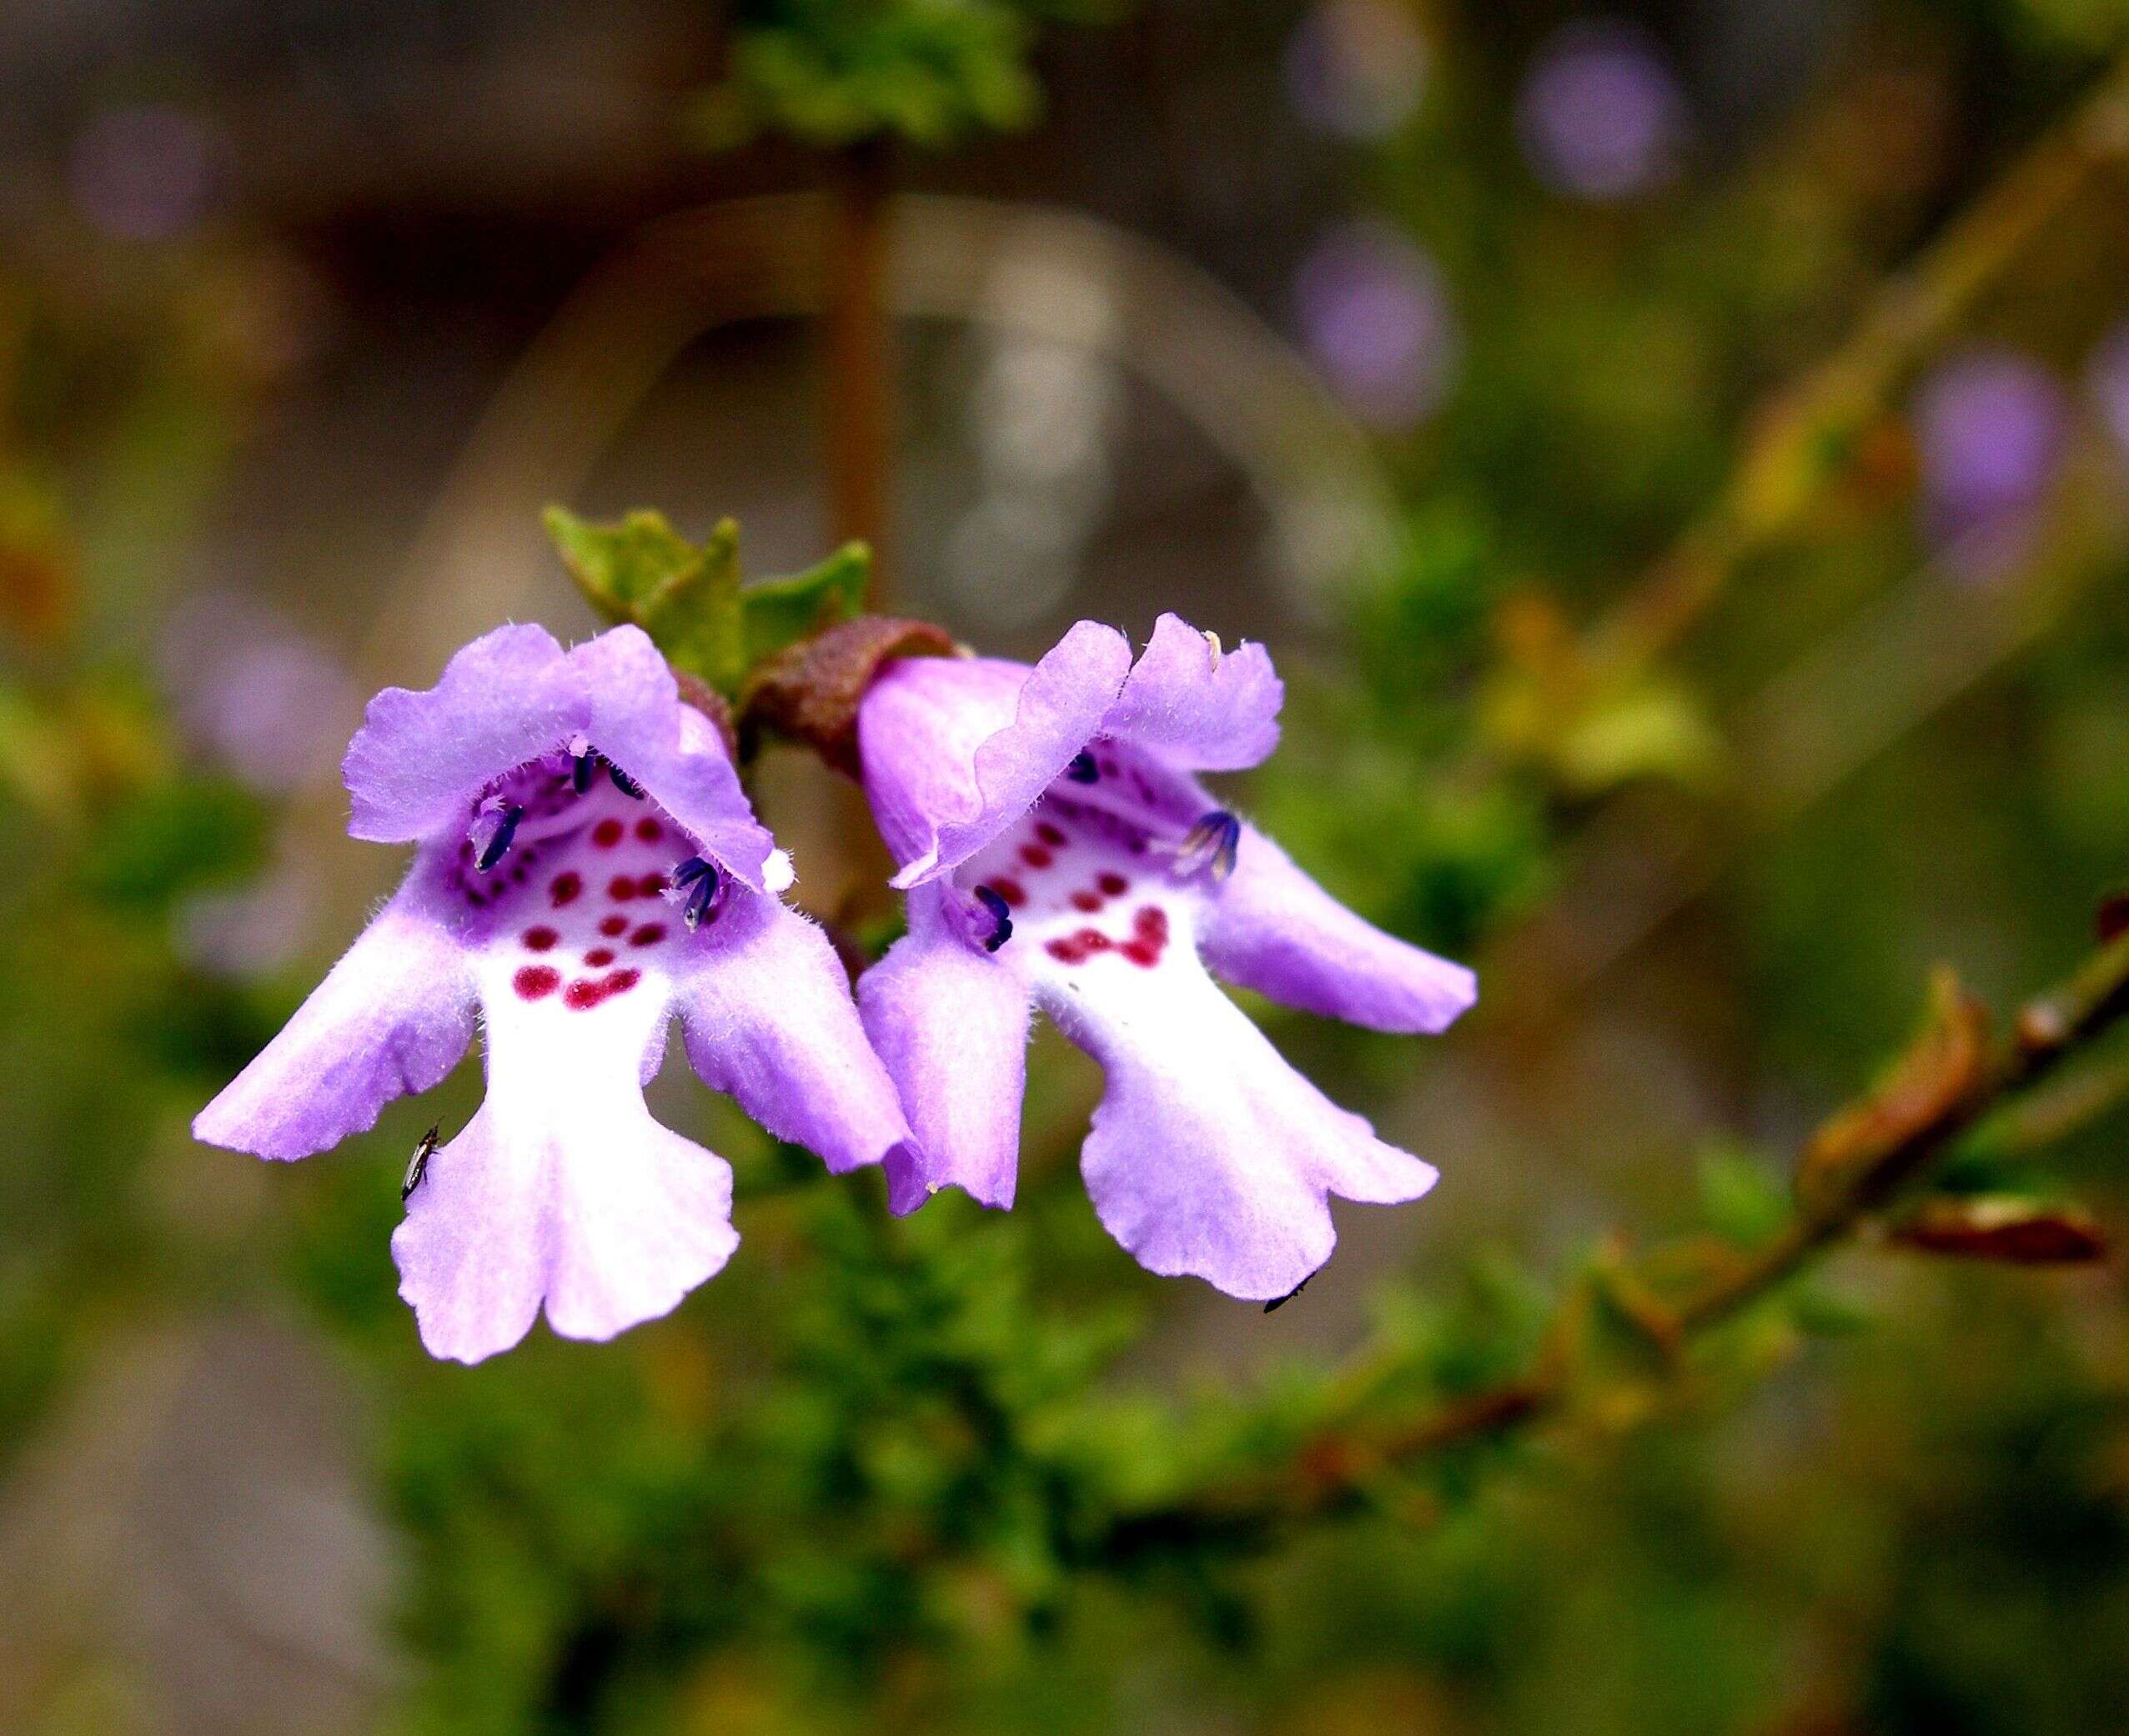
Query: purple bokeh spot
[
  {"x": 1600, "y": 115},
  {"x": 1991, "y": 427},
  {"x": 1376, "y": 320},
  {"x": 146, "y": 173},
  {"x": 270, "y": 706}
]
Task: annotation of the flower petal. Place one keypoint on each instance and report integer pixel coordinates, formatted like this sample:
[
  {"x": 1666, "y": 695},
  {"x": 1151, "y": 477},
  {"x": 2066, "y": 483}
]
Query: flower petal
[
  {"x": 639, "y": 722},
  {"x": 952, "y": 1026},
  {"x": 610, "y": 1222},
  {"x": 501, "y": 700},
  {"x": 393, "y": 1017},
  {"x": 1187, "y": 704},
  {"x": 946, "y": 775},
  {"x": 765, "y": 1008},
  {"x": 1209, "y": 1155},
  {"x": 1273, "y": 929}
]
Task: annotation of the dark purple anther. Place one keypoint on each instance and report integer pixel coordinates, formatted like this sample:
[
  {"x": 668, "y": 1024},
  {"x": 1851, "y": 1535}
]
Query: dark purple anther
[
  {"x": 698, "y": 881},
  {"x": 498, "y": 841},
  {"x": 1001, "y": 919},
  {"x": 623, "y": 782},
  {"x": 583, "y": 770},
  {"x": 1082, "y": 769},
  {"x": 1209, "y": 847}
]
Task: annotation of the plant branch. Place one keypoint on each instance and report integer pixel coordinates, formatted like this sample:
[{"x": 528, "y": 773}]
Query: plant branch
[
  {"x": 1802, "y": 439},
  {"x": 1864, "y": 1157}
]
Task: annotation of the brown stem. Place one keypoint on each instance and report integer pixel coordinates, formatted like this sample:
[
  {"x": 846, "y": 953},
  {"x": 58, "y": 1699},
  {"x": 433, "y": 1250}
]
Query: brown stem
[
  {"x": 1330, "y": 1472},
  {"x": 860, "y": 383}
]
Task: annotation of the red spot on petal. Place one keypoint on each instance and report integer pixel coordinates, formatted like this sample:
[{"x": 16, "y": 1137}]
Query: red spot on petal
[
  {"x": 607, "y": 833},
  {"x": 598, "y": 958},
  {"x": 1035, "y": 855},
  {"x": 621, "y": 981},
  {"x": 1076, "y": 948},
  {"x": 1048, "y": 834},
  {"x": 1145, "y": 954},
  {"x": 1115, "y": 884},
  {"x": 1152, "y": 923},
  {"x": 564, "y": 888},
  {"x": 534, "y": 982},
  {"x": 621, "y": 888},
  {"x": 649, "y": 935},
  {"x": 1010, "y": 890},
  {"x": 1089, "y": 902},
  {"x": 650, "y": 886},
  {"x": 539, "y": 939},
  {"x": 614, "y": 925},
  {"x": 649, "y": 831},
  {"x": 583, "y": 993}
]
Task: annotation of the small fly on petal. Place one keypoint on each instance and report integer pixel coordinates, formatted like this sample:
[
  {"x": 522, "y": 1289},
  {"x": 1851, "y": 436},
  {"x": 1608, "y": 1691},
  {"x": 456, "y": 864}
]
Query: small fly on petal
[
  {"x": 1210, "y": 846},
  {"x": 417, "y": 1165},
  {"x": 1279, "y": 1302}
]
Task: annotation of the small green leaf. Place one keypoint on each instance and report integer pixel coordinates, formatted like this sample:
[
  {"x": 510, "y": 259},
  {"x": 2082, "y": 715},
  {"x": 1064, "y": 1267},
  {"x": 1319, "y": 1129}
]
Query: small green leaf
[
  {"x": 690, "y": 600},
  {"x": 642, "y": 570},
  {"x": 1741, "y": 1197},
  {"x": 780, "y": 612}
]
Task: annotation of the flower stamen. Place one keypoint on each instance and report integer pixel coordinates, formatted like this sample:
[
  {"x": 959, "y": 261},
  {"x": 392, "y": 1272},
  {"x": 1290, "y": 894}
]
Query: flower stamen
[
  {"x": 493, "y": 828},
  {"x": 1000, "y": 929},
  {"x": 696, "y": 884},
  {"x": 1210, "y": 846}
]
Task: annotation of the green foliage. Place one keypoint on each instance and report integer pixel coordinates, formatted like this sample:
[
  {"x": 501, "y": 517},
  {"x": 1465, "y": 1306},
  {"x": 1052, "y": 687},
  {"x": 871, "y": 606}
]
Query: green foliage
[
  {"x": 938, "y": 1474},
  {"x": 831, "y": 72},
  {"x": 690, "y": 600}
]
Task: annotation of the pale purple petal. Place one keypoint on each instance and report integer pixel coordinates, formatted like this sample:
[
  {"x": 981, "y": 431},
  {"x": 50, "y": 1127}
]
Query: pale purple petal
[
  {"x": 951, "y": 1024},
  {"x": 608, "y": 1221},
  {"x": 918, "y": 729},
  {"x": 1271, "y": 928},
  {"x": 500, "y": 701},
  {"x": 766, "y": 1013},
  {"x": 514, "y": 696},
  {"x": 1187, "y": 703},
  {"x": 938, "y": 801},
  {"x": 1209, "y": 1155},
  {"x": 639, "y": 722},
  {"x": 393, "y": 1017}
]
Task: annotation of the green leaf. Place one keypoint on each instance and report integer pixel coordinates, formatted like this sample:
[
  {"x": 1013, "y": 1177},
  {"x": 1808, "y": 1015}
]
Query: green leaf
[
  {"x": 1741, "y": 1197},
  {"x": 642, "y": 570},
  {"x": 780, "y": 612},
  {"x": 690, "y": 600}
]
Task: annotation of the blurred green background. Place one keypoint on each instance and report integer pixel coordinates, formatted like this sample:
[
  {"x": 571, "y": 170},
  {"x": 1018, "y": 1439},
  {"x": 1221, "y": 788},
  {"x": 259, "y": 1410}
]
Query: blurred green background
[{"x": 1678, "y": 455}]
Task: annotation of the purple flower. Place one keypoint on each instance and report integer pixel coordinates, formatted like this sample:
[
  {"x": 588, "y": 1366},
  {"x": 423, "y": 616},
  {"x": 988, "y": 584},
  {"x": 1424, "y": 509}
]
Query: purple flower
[
  {"x": 586, "y": 867},
  {"x": 1600, "y": 115},
  {"x": 1059, "y": 848},
  {"x": 1375, "y": 319}
]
